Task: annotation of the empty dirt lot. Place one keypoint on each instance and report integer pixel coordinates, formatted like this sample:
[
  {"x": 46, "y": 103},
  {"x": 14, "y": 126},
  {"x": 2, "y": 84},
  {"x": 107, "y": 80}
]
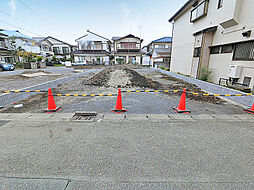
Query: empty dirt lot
[{"x": 127, "y": 78}]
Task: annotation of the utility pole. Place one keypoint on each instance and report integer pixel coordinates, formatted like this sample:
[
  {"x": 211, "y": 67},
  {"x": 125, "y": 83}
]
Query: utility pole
[{"x": 140, "y": 30}]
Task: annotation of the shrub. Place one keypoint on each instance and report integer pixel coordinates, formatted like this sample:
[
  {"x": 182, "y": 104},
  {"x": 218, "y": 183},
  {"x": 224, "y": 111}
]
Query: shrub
[
  {"x": 205, "y": 74},
  {"x": 162, "y": 67},
  {"x": 62, "y": 59},
  {"x": 70, "y": 59},
  {"x": 119, "y": 61},
  {"x": 19, "y": 65},
  {"x": 46, "y": 60},
  {"x": 32, "y": 60},
  {"x": 54, "y": 60},
  {"x": 39, "y": 59}
]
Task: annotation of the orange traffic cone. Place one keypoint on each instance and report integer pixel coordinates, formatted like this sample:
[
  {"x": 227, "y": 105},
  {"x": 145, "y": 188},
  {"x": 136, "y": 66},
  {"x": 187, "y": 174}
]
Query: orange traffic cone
[
  {"x": 51, "y": 103},
  {"x": 119, "y": 107},
  {"x": 250, "y": 110},
  {"x": 182, "y": 104}
]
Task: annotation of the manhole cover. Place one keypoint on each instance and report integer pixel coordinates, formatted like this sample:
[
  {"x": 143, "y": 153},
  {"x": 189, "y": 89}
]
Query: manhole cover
[{"x": 84, "y": 116}]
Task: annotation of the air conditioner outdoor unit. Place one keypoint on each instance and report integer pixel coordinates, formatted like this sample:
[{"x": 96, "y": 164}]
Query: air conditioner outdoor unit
[{"x": 234, "y": 71}]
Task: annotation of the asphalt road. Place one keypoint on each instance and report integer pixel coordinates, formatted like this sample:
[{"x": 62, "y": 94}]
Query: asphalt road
[{"x": 44, "y": 151}]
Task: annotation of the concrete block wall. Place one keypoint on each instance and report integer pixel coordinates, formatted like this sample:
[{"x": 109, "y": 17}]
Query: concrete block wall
[{"x": 213, "y": 88}]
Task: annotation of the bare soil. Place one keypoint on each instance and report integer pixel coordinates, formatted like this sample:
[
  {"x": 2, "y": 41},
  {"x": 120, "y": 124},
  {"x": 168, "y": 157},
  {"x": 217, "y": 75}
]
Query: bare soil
[{"x": 102, "y": 83}]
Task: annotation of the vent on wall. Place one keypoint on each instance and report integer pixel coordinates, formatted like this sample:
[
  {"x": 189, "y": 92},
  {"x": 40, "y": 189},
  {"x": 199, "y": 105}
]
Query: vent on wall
[{"x": 246, "y": 34}]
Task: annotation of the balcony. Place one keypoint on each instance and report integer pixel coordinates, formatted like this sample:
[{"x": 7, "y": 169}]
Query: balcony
[{"x": 128, "y": 47}]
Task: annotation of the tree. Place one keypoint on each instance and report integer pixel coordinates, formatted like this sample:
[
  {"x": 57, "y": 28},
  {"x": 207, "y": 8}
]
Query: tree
[
  {"x": 13, "y": 48},
  {"x": 27, "y": 56}
]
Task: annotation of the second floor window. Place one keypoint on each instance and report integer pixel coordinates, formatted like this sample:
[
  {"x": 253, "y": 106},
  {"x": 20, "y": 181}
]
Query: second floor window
[
  {"x": 56, "y": 50},
  {"x": 199, "y": 11},
  {"x": 91, "y": 45},
  {"x": 97, "y": 45},
  {"x": 129, "y": 45},
  {"x": 66, "y": 50}
]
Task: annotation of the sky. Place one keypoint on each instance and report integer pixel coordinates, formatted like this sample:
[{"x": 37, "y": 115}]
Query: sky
[{"x": 68, "y": 20}]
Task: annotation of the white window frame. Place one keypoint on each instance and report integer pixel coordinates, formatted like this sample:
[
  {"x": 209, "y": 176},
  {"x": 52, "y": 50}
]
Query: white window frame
[{"x": 197, "y": 9}]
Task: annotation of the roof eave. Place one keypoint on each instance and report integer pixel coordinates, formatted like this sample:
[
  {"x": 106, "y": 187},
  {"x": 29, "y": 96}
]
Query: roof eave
[{"x": 180, "y": 10}]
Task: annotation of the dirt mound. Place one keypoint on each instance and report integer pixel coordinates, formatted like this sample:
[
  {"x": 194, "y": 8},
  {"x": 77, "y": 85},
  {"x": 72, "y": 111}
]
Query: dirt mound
[
  {"x": 37, "y": 71},
  {"x": 122, "y": 78}
]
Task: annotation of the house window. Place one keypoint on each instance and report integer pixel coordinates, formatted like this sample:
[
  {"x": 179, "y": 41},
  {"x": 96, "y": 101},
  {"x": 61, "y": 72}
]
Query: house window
[
  {"x": 220, "y": 4},
  {"x": 215, "y": 50},
  {"x": 56, "y": 50},
  {"x": 128, "y": 45},
  {"x": 227, "y": 48},
  {"x": 246, "y": 81},
  {"x": 199, "y": 11},
  {"x": 9, "y": 60},
  {"x": 97, "y": 45},
  {"x": 244, "y": 51},
  {"x": 66, "y": 50},
  {"x": 197, "y": 52}
]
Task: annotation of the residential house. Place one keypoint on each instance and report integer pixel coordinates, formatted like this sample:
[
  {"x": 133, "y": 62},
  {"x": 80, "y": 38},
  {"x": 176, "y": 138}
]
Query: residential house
[
  {"x": 45, "y": 47},
  {"x": 92, "y": 49},
  {"x": 127, "y": 49},
  {"x": 12, "y": 40},
  {"x": 4, "y": 52},
  {"x": 145, "y": 57},
  {"x": 160, "y": 52},
  {"x": 215, "y": 34},
  {"x": 52, "y": 46}
]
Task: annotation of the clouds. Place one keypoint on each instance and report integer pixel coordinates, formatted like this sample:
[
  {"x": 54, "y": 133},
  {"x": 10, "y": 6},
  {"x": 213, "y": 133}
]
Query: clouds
[{"x": 12, "y": 4}]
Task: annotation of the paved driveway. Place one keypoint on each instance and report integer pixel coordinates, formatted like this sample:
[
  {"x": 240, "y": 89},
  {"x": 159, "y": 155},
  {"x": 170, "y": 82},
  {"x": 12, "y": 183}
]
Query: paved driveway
[{"x": 127, "y": 152}]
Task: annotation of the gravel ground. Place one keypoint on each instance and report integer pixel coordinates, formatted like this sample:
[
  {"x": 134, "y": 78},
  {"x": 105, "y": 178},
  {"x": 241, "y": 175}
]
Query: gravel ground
[
  {"x": 136, "y": 103},
  {"x": 15, "y": 82}
]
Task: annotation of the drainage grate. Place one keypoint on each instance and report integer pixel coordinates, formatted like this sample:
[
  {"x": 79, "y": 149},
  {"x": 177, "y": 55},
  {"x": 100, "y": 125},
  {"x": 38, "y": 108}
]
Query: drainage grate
[{"x": 84, "y": 116}]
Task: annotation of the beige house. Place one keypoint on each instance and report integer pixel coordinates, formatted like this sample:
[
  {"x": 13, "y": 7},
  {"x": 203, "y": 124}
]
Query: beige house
[
  {"x": 215, "y": 34},
  {"x": 127, "y": 49}
]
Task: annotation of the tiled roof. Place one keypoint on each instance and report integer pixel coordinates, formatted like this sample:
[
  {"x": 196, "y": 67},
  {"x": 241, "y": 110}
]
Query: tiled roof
[
  {"x": 116, "y": 38},
  {"x": 15, "y": 33},
  {"x": 164, "y": 39}
]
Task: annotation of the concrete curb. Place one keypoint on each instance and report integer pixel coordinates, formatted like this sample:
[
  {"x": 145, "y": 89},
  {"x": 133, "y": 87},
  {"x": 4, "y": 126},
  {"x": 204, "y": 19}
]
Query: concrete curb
[{"x": 213, "y": 88}]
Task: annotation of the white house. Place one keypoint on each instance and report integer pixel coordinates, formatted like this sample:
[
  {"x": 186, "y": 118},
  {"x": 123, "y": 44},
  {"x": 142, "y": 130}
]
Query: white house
[
  {"x": 127, "y": 49},
  {"x": 215, "y": 34},
  {"x": 92, "y": 49},
  {"x": 13, "y": 40},
  {"x": 53, "y": 46}
]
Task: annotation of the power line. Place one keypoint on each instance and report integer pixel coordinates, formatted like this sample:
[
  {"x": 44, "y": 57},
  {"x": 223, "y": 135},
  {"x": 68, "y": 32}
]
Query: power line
[
  {"x": 4, "y": 13},
  {"x": 48, "y": 20},
  {"x": 20, "y": 28}
]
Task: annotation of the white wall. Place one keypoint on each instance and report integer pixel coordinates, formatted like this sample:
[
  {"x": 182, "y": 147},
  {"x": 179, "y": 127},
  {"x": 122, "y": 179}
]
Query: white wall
[
  {"x": 92, "y": 37},
  {"x": 183, "y": 39},
  {"x": 28, "y": 46}
]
